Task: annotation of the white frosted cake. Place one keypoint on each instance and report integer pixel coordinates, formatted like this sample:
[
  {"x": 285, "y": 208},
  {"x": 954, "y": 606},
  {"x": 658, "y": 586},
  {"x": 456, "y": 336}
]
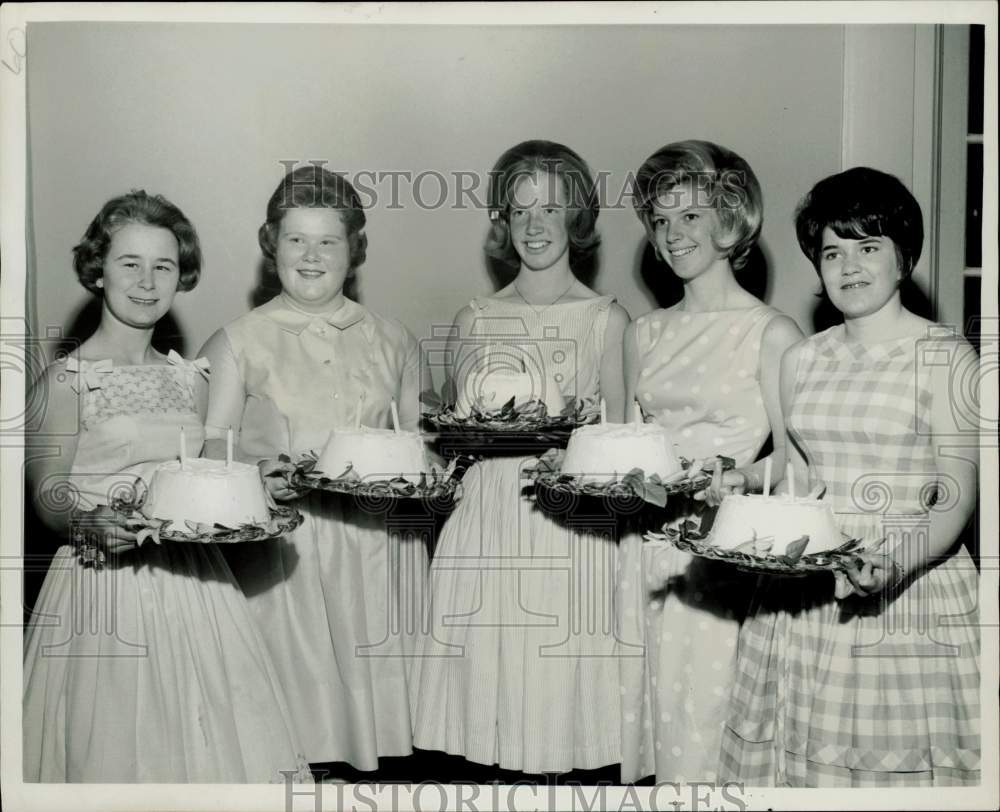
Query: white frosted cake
[
  {"x": 776, "y": 521},
  {"x": 374, "y": 454},
  {"x": 490, "y": 390},
  {"x": 600, "y": 453},
  {"x": 207, "y": 492}
]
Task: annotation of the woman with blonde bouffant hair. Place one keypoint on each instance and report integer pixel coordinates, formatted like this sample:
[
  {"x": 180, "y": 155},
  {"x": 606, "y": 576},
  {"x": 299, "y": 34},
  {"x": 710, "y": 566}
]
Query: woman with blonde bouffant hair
[{"x": 707, "y": 370}]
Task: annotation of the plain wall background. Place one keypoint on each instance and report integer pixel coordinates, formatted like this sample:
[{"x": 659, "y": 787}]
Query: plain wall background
[{"x": 205, "y": 113}]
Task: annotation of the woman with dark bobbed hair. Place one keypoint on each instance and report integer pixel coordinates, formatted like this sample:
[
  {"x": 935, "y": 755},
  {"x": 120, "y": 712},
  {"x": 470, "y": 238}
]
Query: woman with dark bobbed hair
[
  {"x": 861, "y": 680},
  {"x": 284, "y": 375},
  {"x": 706, "y": 369},
  {"x": 520, "y": 665},
  {"x": 141, "y": 662}
]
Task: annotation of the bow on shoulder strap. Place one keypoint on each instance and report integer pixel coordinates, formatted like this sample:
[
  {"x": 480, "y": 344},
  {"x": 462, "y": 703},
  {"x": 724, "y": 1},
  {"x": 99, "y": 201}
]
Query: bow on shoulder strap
[
  {"x": 89, "y": 371},
  {"x": 200, "y": 365}
]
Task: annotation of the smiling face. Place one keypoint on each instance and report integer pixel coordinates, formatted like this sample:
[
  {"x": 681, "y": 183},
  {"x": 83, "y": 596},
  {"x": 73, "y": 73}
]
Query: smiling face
[
  {"x": 683, "y": 232},
  {"x": 140, "y": 274},
  {"x": 859, "y": 275},
  {"x": 313, "y": 257},
  {"x": 538, "y": 214}
]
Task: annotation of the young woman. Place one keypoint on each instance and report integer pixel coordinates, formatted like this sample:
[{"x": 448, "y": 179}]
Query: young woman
[
  {"x": 873, "y": 680},
  {"x": 141, "y": 664},
  {"x": 706, "y": 369},
  {"x": 520, "y": 666},
  {"x": 285, "y": 375}
]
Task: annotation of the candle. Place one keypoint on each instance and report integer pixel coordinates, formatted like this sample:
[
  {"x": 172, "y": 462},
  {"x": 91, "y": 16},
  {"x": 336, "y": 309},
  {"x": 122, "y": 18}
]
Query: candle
[
  {"x": 357, "y": 412},
  {"x": 183, "y": 448},
  {"x": 637, "y": 411},
  {"x": 229, "y": 448},
  {"x": 767, "y": 477},
  {"x": 395, "y": 416},
  {"x": 604, "y": 411},
  {"x": 790, "y": 476}
]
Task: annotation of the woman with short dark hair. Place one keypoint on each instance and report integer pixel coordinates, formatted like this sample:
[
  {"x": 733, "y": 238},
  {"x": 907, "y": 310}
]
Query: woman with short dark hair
[{"x": 870, "y": 679}]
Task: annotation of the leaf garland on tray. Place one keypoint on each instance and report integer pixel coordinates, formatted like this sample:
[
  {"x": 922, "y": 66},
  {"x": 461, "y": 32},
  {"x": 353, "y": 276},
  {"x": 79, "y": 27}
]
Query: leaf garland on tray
[
  {"x": 436, "y": 483},
  {"x": 128, "y": 514},
  {"x": 754, "y": 554},
  {"x": 652, "y": 489},
  {"x": 530, "y": 417}
]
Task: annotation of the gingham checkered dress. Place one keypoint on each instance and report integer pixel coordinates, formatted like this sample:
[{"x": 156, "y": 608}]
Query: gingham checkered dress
[{"x": 861, "y": 692}]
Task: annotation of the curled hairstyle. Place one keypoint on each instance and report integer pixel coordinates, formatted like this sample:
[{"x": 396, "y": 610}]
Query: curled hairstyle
[
  {"x": 142, "y": 209},
  {"x": 313, "y": 187},
  {"x": 720, "y": 179},
  {"x": 525, "y": 160},
  {"x": 859, "y": 203}
]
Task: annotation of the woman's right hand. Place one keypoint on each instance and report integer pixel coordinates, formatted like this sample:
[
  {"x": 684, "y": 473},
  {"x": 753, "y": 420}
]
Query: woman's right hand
[
  {"x": 723, "y": 483},
  {"x": 101, "y": 529},
  {"x": 275, "y": 474}
]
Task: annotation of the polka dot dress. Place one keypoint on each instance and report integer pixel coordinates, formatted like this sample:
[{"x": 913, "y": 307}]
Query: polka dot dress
[{"x": 699, "y": 377}]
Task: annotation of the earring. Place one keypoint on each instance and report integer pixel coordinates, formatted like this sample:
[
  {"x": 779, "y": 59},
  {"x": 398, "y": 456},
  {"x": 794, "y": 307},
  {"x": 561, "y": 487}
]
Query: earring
[{"x": 99, "y": 283}]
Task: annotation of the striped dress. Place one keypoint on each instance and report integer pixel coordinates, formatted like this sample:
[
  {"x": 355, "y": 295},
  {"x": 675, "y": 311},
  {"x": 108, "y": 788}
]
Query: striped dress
[
  {"x": 864, "y": 692},
  {"x": 520, "y": 664}
]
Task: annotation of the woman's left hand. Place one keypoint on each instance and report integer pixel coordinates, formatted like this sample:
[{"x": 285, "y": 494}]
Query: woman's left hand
[
  {"x": 723, "y": 483},
  {"x": 875, "y": 574},
  {"x": 275, "y": 475}
]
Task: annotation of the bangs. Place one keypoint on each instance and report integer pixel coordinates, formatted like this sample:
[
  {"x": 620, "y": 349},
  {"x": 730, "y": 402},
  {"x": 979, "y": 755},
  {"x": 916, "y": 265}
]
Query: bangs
[
  {"x": 858, "y": 227},
  {"x": 573, "y": 186}
]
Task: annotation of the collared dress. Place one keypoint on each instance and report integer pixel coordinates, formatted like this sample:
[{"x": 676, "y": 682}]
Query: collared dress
[
  {"x": 520, "y": 666},
  {"x": 865, "y": 692},
  {"x": 327, "y": 597},
  {"x": 699, "y": 378},
  {"x": 150, "y": 669}
]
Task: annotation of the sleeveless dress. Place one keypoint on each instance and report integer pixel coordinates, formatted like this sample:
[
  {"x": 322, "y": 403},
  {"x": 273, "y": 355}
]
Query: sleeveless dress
[
  {"x": 699, "y": 378},
  {"x": 148, "y": 669},
  {"x": 520, "y": 668},
  {"x": 336, "y": 599},
  {"x": 862, "y": 692}
]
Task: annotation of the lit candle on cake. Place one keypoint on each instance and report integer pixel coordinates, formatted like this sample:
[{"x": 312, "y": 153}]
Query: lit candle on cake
[
  {"x": 790, "y": 475},
  {"x": 229, "y": 448},
  {"x": 395, "y": 416},
  {"x": 637, "y": 413},
  {"x": 767, "y": 477},
  {"x": 604, "y": 411},
  {"x": 183, "y": 449}
]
